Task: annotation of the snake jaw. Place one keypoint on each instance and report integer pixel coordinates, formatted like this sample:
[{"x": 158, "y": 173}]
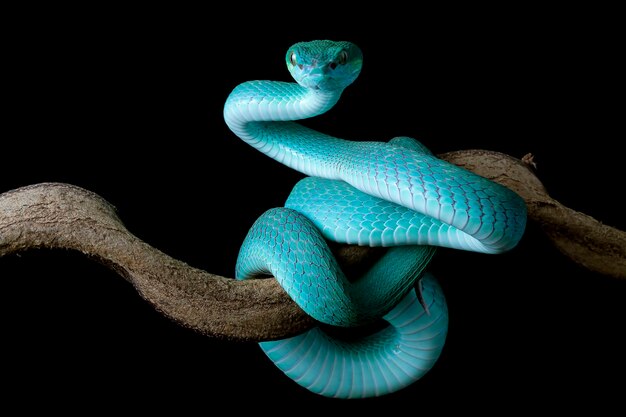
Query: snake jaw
[
  {"x": 321, "y": 77},
  {"x": 325, "y": 77},
  {"x": 312, "y": 78}
]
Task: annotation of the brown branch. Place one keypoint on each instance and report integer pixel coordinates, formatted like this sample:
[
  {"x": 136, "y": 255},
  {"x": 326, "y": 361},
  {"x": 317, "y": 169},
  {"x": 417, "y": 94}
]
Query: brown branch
[
  {"x": 52, "y": 215},
  {"x": 63, "y": 216},
  {"x": 586, "y": 241}
]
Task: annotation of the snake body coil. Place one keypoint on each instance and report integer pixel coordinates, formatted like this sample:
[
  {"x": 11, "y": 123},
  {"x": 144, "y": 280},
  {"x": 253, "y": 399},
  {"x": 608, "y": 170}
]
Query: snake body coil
[{"x": 394, "y": 194}]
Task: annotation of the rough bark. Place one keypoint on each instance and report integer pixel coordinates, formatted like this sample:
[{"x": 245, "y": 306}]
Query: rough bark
[
  {"x": 62, "y": 216},
  {"x": 585, "y": 240}
]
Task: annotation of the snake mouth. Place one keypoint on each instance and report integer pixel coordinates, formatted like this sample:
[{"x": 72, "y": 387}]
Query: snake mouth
[
  {"x": 318, "y": 81},
  {"x": 313, "y": 80}
]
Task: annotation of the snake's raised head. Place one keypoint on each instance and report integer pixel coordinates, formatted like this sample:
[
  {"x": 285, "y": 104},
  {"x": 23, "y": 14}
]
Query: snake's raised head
[{"x": 324, "y": 64}]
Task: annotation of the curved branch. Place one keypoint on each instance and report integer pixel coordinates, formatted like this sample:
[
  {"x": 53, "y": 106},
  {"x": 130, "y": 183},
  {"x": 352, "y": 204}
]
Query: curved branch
[
  {"x": 586, "y": 241},
  {"x": 52, "y": 215}
]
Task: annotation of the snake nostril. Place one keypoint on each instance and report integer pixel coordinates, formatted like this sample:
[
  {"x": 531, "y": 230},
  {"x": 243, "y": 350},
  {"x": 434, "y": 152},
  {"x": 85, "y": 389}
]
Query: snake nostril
[{"x": 332, "y": 65}]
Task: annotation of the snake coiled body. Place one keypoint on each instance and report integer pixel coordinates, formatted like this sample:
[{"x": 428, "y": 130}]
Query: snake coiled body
[{"x": 395, "y": 194}]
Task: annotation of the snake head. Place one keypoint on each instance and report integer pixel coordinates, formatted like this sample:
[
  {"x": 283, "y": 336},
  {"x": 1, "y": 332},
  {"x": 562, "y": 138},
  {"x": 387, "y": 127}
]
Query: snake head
[{"x": 324, "y": 65}]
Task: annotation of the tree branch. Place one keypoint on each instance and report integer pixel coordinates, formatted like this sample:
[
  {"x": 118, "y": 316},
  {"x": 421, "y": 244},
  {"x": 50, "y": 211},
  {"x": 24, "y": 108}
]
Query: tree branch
[
  {"x": 586, "y": 241},
  {"x": 62, "y": 216}
]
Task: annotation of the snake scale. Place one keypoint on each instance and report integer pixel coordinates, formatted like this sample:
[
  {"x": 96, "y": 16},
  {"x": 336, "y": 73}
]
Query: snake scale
[{"x": 395, "y": 194}]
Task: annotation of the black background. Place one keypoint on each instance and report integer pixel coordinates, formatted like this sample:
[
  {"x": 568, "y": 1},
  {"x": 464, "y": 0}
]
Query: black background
[{"x": 129, "y": 104}]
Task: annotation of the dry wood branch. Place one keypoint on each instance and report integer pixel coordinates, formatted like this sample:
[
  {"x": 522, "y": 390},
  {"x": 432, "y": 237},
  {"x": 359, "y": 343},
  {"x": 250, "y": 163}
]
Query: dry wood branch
[
  {"x": 53, "y": 215},
  {"x": 585, "y": 240}
]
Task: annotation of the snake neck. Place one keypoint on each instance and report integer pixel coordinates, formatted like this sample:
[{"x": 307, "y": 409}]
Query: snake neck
[{"x": 262, "y": 114}]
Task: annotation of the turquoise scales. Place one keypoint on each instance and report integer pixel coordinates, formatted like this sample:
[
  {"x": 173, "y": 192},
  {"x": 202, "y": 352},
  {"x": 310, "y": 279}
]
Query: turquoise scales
[{"x": 394, "y": 194}]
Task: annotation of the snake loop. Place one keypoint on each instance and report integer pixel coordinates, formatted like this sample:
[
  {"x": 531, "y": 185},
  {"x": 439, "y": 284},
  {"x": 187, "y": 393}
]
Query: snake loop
[{"x": 395, "y": 194}]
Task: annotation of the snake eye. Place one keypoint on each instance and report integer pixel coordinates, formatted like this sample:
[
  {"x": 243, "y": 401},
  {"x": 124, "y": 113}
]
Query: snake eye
[
  {"x": 342, "y": 58},
  {"x": 292, "y": 59}
]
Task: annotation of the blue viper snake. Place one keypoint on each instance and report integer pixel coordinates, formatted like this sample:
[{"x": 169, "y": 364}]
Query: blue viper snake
[{"x": 394, "y": 194}]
